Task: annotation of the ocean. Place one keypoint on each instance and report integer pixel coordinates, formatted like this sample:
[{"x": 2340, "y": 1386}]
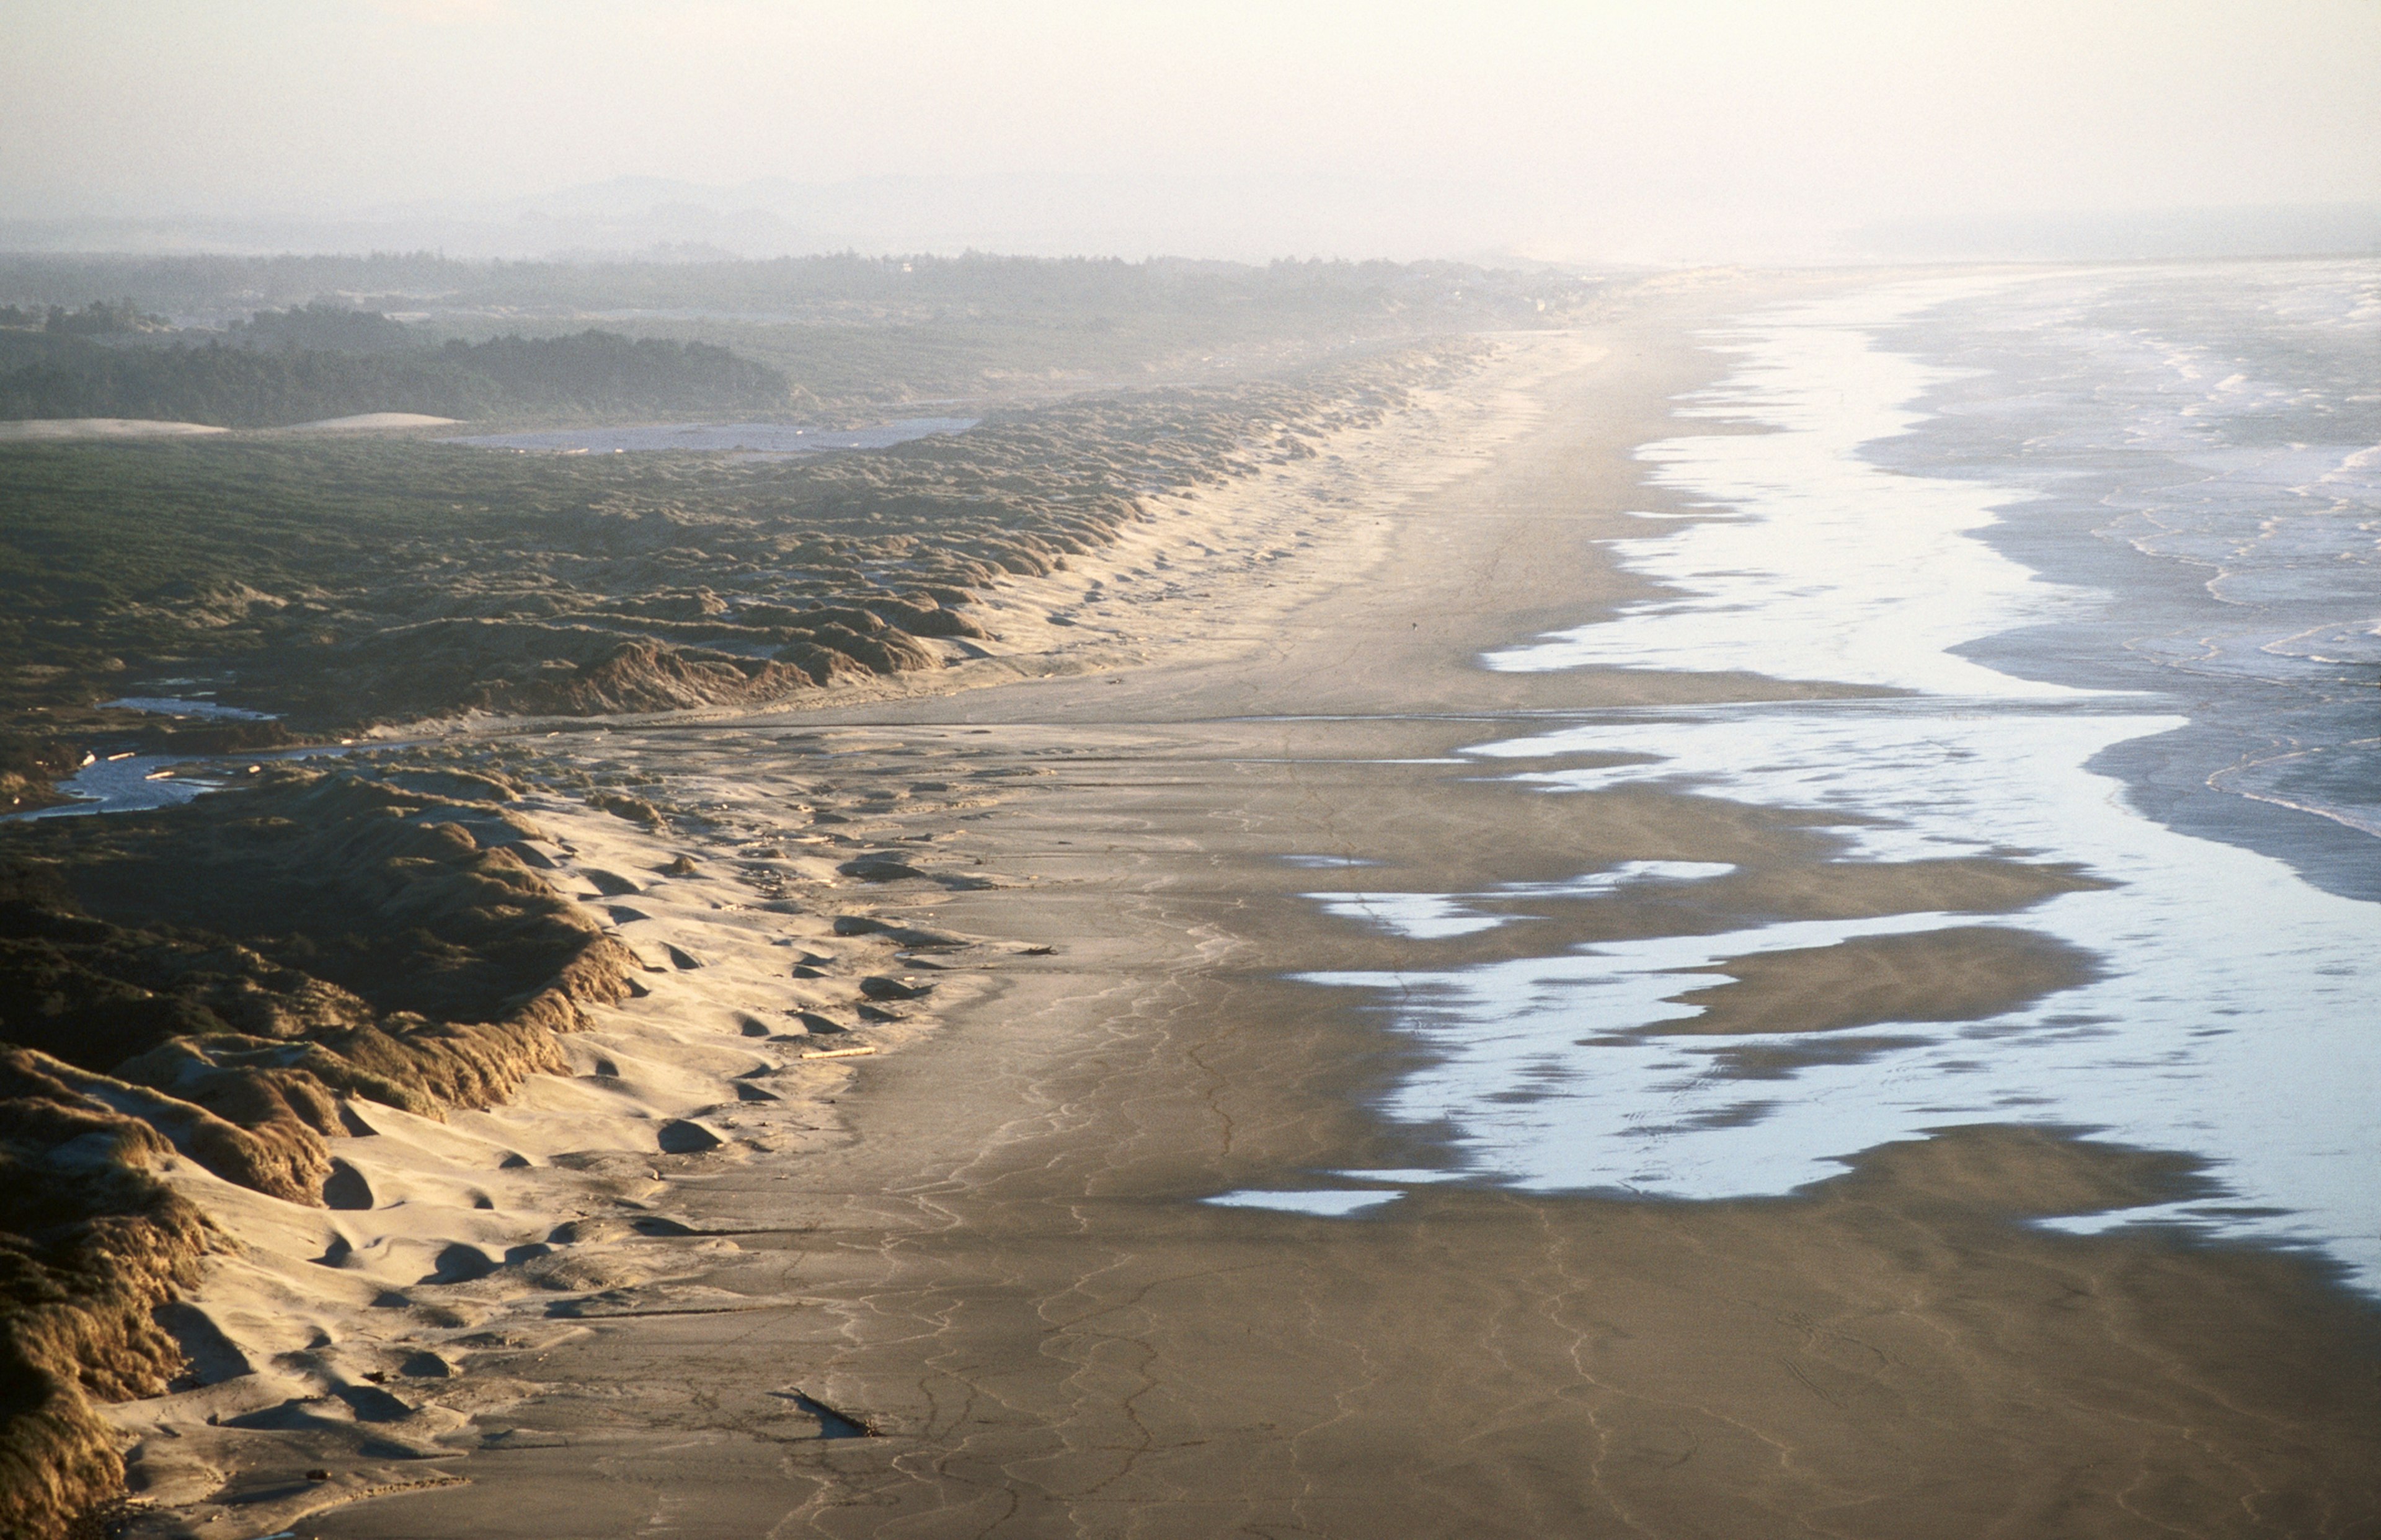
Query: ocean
[{"x": 2100, "y": 549}]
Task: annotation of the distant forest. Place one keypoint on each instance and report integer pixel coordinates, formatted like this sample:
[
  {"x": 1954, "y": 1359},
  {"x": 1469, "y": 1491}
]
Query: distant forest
[
  {"x": 808, "y": 288},
  {"x": 848, "y": 332},
  {"x": 100, "y": 317},
  {"x": 249, "y": 383}
]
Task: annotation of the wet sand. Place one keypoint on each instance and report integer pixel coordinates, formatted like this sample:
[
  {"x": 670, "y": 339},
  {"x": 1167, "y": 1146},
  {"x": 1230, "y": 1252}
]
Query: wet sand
[{"x": 986, "y": 1299}]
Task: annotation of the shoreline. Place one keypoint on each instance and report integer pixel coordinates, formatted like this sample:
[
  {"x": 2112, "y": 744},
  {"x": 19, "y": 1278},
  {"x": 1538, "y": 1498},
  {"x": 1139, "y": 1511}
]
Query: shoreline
[{"x": 994, "y": 1264}]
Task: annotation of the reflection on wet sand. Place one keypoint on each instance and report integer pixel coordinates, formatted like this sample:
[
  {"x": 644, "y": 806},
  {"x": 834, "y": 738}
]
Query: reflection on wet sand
[{"x": 2197, "y": 997}]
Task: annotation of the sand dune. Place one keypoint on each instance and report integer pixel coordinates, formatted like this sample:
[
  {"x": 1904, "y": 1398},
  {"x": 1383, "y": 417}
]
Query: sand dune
[
  {"x": 785, "y": 948},
  {"x": 46, "y": 428},
  {"x": 372, "y": 421},
  {"x": 334, "y": 1336}
]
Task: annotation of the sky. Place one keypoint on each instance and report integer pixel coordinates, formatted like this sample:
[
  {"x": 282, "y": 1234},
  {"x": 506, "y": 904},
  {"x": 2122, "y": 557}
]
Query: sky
[{"x": 1704, "y": 129}]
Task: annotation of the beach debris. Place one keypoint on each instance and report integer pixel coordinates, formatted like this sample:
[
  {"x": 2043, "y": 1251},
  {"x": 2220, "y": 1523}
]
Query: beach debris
[
  {"x": 838, "y": 1053},
  {"x": 682, "y": 867}
]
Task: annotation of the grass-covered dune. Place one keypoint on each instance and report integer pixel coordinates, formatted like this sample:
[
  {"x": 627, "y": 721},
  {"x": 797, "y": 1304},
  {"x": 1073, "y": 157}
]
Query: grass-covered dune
[
  {"x": 1271, "y": 300},
  {"x": 210, "y": 981},
  {"x": 342, "y": 583},
  {"x": 849, "y": 332},
  {"x": 591, "y": 373}
]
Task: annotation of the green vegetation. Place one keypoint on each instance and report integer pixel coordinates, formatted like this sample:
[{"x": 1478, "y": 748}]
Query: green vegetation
[
  {"x": 591, "y": 373},
  {"x": 342, "y": 581},
  {"x": 323, "y": 327},
  {"x": 850, "y": 330},
  {"x": 100, "y": 318},
  {"x": 213, "y": 979},
  {"x": 365, "y": 938}
]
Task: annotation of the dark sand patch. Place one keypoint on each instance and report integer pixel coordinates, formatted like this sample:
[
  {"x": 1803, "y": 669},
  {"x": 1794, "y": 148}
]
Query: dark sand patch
[{"x": 1961, "y": 974}]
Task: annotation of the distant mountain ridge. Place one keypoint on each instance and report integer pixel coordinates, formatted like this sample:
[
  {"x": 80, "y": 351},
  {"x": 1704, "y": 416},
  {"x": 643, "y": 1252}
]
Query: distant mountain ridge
[{"x": 1239, "y": 218}]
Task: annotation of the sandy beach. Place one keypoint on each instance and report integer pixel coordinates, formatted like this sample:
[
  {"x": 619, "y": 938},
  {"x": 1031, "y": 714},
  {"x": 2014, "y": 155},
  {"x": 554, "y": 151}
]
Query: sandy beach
[{"x": 887, "y": 1207}]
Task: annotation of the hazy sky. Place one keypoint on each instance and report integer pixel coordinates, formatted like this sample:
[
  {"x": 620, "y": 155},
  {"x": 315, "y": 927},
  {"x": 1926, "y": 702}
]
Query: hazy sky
[{"x": 1577, "y": 129}]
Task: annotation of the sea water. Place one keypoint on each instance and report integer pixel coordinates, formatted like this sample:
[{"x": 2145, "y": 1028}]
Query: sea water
[{"x": 2104, "y": 547}]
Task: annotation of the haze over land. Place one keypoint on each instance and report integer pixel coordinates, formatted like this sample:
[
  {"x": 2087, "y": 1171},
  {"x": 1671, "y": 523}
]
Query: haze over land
[{"x": 1712, "y": 130}]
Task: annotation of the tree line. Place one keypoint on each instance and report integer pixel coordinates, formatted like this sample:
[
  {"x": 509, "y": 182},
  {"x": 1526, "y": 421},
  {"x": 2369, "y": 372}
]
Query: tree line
[
  {"x": 593, "y": 372},
  {"x": 841, "y": 284},
  {"x": 100, "y": 318}
]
